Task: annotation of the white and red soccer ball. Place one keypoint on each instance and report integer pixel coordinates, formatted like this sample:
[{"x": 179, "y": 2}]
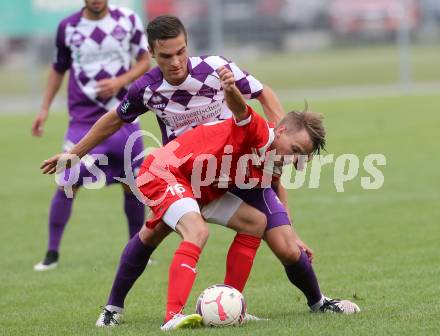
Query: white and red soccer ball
[{"x": 221, "y": 305}]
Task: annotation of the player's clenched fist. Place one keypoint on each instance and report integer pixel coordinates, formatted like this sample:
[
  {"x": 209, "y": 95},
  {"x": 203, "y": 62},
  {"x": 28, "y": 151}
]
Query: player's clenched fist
[
  {"x": 227, "y": 79},
  {"x": 233, "y": 97},
  {"x": 59, "y": 162}
]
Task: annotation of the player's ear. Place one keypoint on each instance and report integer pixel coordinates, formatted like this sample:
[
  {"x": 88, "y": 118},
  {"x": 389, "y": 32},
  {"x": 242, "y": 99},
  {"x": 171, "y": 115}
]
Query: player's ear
[
  {"x": 280, "y": 130},
  {"x": 151, "y": 51}
]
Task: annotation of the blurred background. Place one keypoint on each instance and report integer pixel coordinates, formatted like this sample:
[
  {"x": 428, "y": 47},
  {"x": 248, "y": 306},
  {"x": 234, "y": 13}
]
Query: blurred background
[
  {"x": 302, "y": 48},
  {"x": 372, "y": 67}
]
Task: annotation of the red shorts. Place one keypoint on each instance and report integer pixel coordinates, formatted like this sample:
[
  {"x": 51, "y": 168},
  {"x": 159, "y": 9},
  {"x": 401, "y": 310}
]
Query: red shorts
[{"x": 160, "y": 193}]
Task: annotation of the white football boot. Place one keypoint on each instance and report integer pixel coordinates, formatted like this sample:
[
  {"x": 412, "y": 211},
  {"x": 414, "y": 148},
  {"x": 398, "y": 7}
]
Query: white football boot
[
  {"x": 50, "y": 262},
  {"x": 336, "y": 306},
  {"x": 180, "y": 321},
  {"x": 109, "y": 318}
]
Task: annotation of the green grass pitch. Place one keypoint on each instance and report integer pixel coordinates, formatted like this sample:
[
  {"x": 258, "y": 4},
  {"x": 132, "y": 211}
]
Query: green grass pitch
[{"x": 377, "y": 247}]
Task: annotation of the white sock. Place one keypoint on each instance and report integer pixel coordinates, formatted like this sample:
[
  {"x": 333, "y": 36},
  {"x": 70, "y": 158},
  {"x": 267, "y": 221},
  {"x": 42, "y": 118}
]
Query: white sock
[
  {"x": 111, "y": 308},
  {"x": 317, "y": 305}
]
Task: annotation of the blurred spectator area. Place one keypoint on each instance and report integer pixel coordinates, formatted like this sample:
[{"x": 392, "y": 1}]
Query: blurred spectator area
[
  {"x": 244, "y": 26},
  {"x": 243, "y": 22},
  {"x": 380, "y": 19},
  {"x": 283, "y": 25},
  {"x": 321, "y": 42}
]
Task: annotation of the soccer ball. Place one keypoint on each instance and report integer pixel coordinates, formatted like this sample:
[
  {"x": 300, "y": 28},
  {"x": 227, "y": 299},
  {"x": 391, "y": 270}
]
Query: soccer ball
[{"x": 221, "y": 305}]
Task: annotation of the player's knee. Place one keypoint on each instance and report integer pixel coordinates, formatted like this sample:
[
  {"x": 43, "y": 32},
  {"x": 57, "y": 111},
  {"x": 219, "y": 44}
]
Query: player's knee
[
  {"x": 193, "y": 228},
  {"x": 145, "y": 235},
  {"x": 153, "y": 237},
  {"x": 199, "y": 235},
  {"x": 290, "y": 254}
]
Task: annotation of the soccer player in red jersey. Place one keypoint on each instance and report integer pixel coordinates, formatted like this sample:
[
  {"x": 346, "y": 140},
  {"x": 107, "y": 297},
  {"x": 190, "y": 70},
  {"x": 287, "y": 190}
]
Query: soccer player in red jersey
[{"x": 170, "y": 186}]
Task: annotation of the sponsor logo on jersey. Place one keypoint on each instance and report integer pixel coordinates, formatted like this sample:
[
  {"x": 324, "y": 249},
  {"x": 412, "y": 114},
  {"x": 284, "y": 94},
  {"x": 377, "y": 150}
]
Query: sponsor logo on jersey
[
  {"x": 156, "y": 99},
  {"x": 125, "y": 106},
  {"x": 159, "y": 106},
  {"x": 207, "y": 92},
  {"x": 85, "y": 57},
  {"x": 77, "y": 39},
  {"x": 193, "y": 116},
  {"x": 119, "y": 33}
]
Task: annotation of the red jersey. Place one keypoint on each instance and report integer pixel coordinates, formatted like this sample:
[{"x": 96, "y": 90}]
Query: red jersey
[{"x": 220, "y": 150}]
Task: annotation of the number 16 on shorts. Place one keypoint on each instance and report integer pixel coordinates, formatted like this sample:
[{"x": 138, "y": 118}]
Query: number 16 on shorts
[{"x": 176, "y": 189}]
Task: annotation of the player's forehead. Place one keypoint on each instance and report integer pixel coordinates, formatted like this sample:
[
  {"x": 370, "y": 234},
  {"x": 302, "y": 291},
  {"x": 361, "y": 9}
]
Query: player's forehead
[
  {"x": 302, "y": 141},
  {"x": 170, "y": 46}
]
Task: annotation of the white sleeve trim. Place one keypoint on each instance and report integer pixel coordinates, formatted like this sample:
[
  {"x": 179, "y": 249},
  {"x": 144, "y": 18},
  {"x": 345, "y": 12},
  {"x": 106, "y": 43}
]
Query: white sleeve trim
[
  {"x": 263, "y": 149},
  {"x": 243, "y": 122}
]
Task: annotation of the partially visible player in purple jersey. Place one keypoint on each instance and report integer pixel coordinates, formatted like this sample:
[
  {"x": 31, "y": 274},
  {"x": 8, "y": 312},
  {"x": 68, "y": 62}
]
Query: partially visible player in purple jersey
[{"x": 97, "y": 45}]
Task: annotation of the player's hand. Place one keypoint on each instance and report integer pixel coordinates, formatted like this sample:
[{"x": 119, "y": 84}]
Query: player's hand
[
  {"x": 38, "y": 124},
  {"x": 227, "y": 79},
  {"x": 59, "y": 162},
  {"x": 303, "y": 246},
  {"x": 109, "y": 87}
]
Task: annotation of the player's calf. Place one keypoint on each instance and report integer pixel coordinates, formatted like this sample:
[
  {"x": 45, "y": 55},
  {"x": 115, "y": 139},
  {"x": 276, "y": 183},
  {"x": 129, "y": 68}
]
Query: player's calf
[
  {"x": 193, "y": 229},
  {"x": 153, "y": 237}
]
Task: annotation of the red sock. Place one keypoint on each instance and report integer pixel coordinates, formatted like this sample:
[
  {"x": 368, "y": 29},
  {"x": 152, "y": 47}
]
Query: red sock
[
  {"x": 240, "y": 259},
  {"x": 181, "y": 277}
]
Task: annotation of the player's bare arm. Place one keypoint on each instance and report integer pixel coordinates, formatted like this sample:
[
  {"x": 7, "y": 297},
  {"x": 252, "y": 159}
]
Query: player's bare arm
[
  {"x": 109, "y": 87},
  {"x": 272, "y": 108},
  {"x": 233, "y": 97},
  {"x": 53, "y": 85},
  {"x": 108, "y": 124}
]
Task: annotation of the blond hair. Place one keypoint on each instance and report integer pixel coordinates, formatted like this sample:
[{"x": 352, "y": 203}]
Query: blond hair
[{"x": 311, "y": 122}]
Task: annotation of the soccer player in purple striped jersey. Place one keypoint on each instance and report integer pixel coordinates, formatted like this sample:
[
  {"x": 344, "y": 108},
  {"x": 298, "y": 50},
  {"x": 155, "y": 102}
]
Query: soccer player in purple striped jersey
[
  {"x": 96, "y": 45},
  {"x": 185, "y": 92}
]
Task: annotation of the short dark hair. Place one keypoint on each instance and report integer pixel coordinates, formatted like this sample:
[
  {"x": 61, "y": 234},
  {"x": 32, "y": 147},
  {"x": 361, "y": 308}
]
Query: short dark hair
[
  {"x": 164, "y": 27},
  {"x": 311, "y": 121}
]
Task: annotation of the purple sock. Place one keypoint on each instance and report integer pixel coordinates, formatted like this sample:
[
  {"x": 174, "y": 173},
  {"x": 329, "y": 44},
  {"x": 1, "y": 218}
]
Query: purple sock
[
  {"x": 135, "y": 212},
  {"x": 302, "y": 275},
  {"x": 59, "y": 214},
  {"x": 134, "y": 259}
]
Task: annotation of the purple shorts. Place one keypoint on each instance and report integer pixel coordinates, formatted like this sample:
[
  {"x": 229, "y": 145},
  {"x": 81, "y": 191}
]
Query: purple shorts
[
  {"x": 267, "y": 201},
  {"x": 112, "y": 148}
]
